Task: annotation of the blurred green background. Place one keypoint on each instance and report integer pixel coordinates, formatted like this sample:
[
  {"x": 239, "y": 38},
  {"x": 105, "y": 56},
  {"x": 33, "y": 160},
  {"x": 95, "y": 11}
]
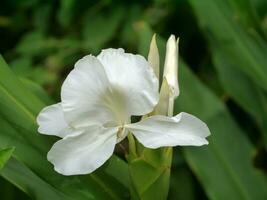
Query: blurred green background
[{"x": 222, "y": 75}]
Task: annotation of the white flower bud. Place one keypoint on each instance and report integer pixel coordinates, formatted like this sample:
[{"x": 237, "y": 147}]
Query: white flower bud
[
  {"x": 153, "y": 56},
  {"x": 171, "y": 66}
]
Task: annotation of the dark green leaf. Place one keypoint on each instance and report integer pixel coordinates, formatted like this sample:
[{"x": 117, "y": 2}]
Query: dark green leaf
[
  {"x": 225, "y": 166},
  {"x": 240, "y": 42},
  {"x": 5, "y": 154},
  {"x": 100, "y": 28}
]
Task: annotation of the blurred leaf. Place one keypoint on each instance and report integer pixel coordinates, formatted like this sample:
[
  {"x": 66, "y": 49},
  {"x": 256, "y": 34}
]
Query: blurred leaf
[
  {"x": 11, "y": 192},
  {"x": 37, "y": 90},
  {"x": 42, "y": 17},
  {"x": 128, "y": 35},
  {"x": 229, "y": 58},
  {"x": 237, "y": 84},
  {"x": 23, "y": 4},
  {"x": 18, "y": 109},
  {"x": 24, "y": 68},
  {"x": 30, "y": 183},
  {"x": 224, "y": 167},
  {"x": 181, "y": 185},
  {"x": 5, "y": 154},
  {"x": 21, "y": 66},
  {"x": 261, "y": 7},
  {"x": 100, "y": 28},
  {"x": 36, "y": 44},
  {"x": 241, "y": 43},
  {"x": 246, "y": 14},
  {"x": 66, "y": 12}
]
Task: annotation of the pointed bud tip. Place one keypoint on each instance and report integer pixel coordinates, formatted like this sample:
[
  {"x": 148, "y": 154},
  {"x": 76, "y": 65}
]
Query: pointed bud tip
[
  {"x": 153, "y": 55},
  {"x": 171, "y": 38}
]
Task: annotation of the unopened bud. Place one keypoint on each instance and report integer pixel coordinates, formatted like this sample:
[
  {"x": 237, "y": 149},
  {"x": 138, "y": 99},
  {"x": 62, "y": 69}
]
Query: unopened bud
[
  {"x": 171, "y": 66},
  {"x": 153, "y": 55}
]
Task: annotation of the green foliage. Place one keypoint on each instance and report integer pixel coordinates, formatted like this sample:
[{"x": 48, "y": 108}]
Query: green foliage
[
  {"x": 224, "y": 167},
  {"x": 149, "y": 171},
  {"x": 5, "y": 154},
  {"x": 224, "y": 42},
  {"x": 241, "y": 32}
]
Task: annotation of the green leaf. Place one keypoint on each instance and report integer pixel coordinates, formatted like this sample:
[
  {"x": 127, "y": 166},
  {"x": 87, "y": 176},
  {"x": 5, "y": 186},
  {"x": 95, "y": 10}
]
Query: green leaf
[
  {"x": 235, "y": 36},
  {"x": 237, "y": 84},
  {"x": 234, "y": 53},
  {"x": 224, "y": 167},
  {"x": 21, "y": 176},
  {"x": 181, "y": 186},
  {"x": 18, "y": 110},
  {"x": 37, "y": 90},
  {"x": 5, "y": 154},
  {"x": 10, "y": 191},
  {"x": 35, "y": 43},
  {"x": 150, "y": 172},
  {"x": 66, "y": 12},
  {"x": 100, "y": 28}
]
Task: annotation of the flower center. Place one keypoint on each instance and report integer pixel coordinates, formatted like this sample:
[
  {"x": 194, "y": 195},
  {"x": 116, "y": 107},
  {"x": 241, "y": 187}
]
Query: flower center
[
  {"x": 116, "y": 102},
  {"x": 121, "y": 134}
]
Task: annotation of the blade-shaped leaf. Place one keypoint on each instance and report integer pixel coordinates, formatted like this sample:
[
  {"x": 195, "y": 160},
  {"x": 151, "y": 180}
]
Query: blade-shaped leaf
[
  {"x": 242, "y": 89},
  {"x": 237, "y": 54},
  {"x": 224, "y": 167},
  {"x": 5, "y": 154},
  {"x": 237, "y": 39}
]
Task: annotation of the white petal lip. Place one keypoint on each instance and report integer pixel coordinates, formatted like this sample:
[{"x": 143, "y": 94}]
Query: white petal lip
[
  {"x": 83, "y": 152},
  {"x": 109, "y": 89},
  {"x": 84, "y": 94},
  {"x": 134, "y": 76},
  {"x": 181, "y": 130},
  {"x": 51, "y": 121}
]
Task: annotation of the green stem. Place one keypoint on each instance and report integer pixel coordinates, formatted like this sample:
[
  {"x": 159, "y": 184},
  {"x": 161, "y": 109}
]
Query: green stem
[
  {"x": 132, "y": 146},
  {"x": 171, "y": 106}
]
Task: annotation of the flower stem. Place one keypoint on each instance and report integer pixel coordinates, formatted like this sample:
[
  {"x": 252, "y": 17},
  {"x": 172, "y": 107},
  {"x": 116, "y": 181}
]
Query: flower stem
[{"x": 132, "y": 147}]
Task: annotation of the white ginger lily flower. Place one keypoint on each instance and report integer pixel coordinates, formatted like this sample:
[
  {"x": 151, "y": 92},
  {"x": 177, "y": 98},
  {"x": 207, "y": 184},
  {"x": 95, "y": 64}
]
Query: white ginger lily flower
[{"x": 98, "y": 98}]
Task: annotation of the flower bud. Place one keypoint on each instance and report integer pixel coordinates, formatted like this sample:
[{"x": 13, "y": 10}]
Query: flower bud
[
  {"x": 171, "y": 66},
  {"x": 153, "y": 56}
]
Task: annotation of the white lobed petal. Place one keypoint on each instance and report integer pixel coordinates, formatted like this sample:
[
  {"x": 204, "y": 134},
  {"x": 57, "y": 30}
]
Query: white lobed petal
[
  {"x": 133, "y": 76},
  {"x": 160, "y": 131},
  {"x": 83, "y": 152},
  {"x": 88, "y": 98},
  {"x": 51, "y": 121}
]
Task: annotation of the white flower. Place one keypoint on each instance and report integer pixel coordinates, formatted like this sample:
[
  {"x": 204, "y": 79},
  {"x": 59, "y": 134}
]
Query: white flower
[{"x": 98, "y": 98}]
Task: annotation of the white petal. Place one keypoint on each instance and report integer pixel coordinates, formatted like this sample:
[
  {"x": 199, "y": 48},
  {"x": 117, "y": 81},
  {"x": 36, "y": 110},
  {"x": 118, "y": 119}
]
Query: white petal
[
  {"x": 51, "y": 121},
  {"x": 84, "y": 152},
  {"x": 134, "y": 77},
  {"x": 159, "y": 131},
  {"x": 87, "y": 96}
]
